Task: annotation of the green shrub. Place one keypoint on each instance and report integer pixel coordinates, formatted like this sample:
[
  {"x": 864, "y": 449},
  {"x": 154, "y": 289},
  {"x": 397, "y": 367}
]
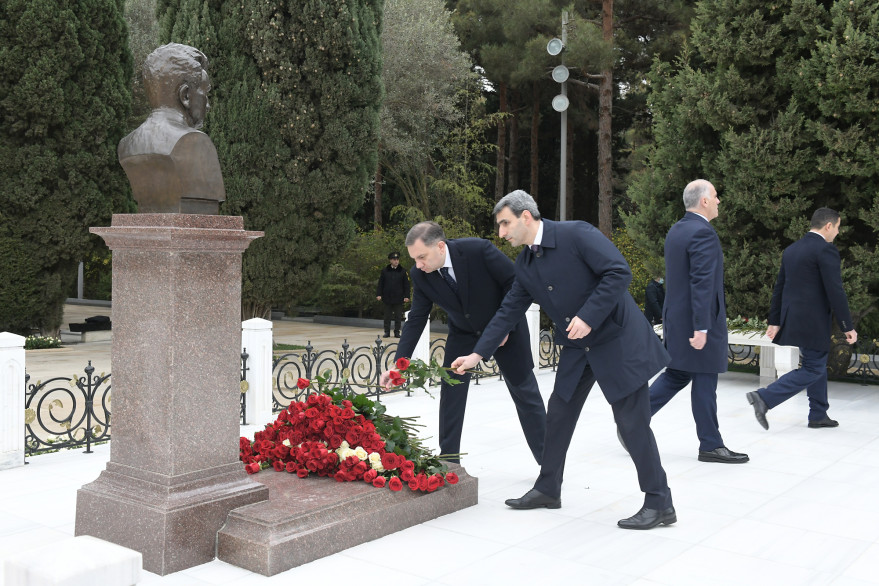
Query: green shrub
[
  {"x": 41, "y": 342},
  {"x": 638, "y": 262}
]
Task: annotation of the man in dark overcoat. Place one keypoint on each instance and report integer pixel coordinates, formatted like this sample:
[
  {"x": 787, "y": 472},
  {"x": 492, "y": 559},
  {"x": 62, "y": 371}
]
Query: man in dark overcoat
[
  {"x": 393, "y": 291},
  {"x": 581, "y": 280},
  {"x": 694, "y": 320}
]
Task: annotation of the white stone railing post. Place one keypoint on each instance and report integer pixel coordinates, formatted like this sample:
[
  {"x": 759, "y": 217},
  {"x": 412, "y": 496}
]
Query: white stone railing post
[
  {"x": 532, "y": 316},
  {"x": 256, "y": 340},
  {"x": 11, "y": 400},
  {"x": 422, "y": 348}
]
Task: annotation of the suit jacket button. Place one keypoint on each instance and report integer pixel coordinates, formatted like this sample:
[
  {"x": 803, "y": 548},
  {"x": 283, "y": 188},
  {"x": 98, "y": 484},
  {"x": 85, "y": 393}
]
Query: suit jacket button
[
  {"x": 587, "y": 348},
  {"x": 478, "y": 332},
  {"x": 549, "y": 288},
  {"x": 567, "y": 319},
  {"x": 467, "y": 315}
]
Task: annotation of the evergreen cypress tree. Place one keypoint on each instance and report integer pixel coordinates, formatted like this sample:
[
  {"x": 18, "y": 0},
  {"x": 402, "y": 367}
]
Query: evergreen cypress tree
[
  {"x": 746, "y": 109},
  {"x": 297, "y": 90},
  {"x": 65, "y": 71}
]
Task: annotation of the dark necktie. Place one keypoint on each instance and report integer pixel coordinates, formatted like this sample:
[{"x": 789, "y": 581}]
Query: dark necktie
[{"x": 453, "y": 285}]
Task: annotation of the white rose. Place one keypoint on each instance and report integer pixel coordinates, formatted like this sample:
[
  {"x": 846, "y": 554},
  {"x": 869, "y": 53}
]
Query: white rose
[
  {"x": 360, "y": 453},
  {"x": 286, "y": 442},
  {"x": 346, "y": 452}
]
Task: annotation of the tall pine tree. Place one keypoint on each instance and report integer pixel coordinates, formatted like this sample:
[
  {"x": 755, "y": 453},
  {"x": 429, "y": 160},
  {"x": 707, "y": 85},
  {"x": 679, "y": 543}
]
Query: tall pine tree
[
  {"x": 65, "y": 71},
  {"x": 297, "y": 90},
  {"x": 776, "y": 105}
]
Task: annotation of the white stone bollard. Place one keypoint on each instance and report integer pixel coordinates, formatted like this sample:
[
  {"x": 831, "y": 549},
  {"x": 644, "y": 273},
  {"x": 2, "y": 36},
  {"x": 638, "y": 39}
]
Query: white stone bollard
[
  {"x": 422, "y": 348},
  {"x": 532, "y": 316},
  {"x": 787, "y": 358},
  {"x": 11, "y": 400},
  {"x": 256, "y": 340}
]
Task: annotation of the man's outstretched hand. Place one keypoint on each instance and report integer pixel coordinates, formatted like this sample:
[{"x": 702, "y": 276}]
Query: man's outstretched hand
[{"x": 464, "y": 363}]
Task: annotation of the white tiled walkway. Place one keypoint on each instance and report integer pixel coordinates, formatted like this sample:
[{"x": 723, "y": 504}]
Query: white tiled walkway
[{"x": 805, "y": 510}]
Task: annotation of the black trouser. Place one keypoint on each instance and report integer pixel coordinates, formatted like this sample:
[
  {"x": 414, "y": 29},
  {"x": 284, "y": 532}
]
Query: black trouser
[
  {"x": 394, "y": 310},
  {"x": 632, "y": 416}
]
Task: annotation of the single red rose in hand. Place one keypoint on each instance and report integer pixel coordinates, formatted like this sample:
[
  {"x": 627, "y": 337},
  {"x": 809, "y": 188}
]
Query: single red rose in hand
[
  {"x": 398, "y": 381},
  {"x": 395, "y": 484},
  {"x": 379, "y": 482},
  {"x": 402, "y": 363},
  {"x": 303, "y": 383},
  {"x": 452, "y": 478}
]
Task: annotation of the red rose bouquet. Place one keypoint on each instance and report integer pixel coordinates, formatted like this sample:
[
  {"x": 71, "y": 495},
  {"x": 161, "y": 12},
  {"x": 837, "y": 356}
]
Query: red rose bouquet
[{"x": 330, "y": 435}]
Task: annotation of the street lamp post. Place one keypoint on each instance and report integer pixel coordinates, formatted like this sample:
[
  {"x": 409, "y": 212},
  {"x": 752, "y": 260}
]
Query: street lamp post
[{"x": 560, "y": 104}]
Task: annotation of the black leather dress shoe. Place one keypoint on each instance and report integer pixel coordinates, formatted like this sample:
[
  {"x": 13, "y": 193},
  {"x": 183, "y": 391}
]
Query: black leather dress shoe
[
  {"x": 534, "y": 499},
  {"x": 760, "y": 407},
  {"x": 649, "y": 518},
  {"x": 826, "y": 422},
  {"x": 723, "y": 455}
]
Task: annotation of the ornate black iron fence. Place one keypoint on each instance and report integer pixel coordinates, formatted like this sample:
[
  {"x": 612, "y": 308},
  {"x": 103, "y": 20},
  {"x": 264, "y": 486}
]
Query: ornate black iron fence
[
  {"x": 66, "y": 412},
  {"x": 244, "y": 386},
  {"x": 69, "y": 412}
]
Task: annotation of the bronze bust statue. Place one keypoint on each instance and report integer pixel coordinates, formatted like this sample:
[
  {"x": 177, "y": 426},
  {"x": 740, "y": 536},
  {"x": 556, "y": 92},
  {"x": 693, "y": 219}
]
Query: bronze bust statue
[{"x": 171, "y": 165}]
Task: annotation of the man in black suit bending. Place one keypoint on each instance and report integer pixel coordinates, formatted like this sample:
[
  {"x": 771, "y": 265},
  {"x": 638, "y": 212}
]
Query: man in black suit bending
[{"x": 468, "y": 278}]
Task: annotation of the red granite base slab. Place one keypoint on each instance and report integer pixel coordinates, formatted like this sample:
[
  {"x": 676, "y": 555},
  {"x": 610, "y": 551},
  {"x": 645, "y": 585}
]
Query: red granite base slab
[
  {"x": 173, "y": 527},
  {"x": 307, "y": 519}
]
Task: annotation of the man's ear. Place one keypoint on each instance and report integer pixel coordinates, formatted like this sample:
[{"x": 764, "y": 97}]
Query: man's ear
[{"x": 183, "y": 95}]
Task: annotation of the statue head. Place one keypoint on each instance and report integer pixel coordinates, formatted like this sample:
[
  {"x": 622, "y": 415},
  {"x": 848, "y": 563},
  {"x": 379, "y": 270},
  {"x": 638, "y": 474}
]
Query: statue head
[{"x": 175, "y": 76}]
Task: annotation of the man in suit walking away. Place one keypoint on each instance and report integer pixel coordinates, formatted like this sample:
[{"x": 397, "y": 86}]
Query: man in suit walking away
[
  {"x": 694, "y": 320},
  {"x": 807, "y": 290},
  {"x": 468, "y": 278},
  {"x": 581, "y": 281}
]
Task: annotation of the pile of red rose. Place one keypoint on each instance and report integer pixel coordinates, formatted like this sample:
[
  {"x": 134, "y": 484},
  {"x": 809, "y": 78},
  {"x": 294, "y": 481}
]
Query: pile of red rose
[{"x": 318, "y": 436}]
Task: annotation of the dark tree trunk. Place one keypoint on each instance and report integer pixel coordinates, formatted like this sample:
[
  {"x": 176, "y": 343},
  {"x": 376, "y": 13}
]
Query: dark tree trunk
[
  {"x": 499, "y": 184},
  {"x": 605, "y": 106},
  {"x": 513, "y": 159},
  {"x": 377, "y": 217},
  {"x": 535, "y": 127}
]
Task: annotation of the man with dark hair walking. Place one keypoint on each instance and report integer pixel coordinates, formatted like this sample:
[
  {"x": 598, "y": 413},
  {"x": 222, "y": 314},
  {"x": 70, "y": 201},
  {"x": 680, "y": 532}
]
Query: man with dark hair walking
[{"x": 807, "y": 290}]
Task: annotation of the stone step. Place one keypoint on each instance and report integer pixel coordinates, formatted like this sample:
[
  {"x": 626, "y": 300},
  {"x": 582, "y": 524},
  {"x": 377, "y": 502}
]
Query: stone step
[
  {"x": 77, "y": 561},
  {"x": 307, "y": 519}
]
